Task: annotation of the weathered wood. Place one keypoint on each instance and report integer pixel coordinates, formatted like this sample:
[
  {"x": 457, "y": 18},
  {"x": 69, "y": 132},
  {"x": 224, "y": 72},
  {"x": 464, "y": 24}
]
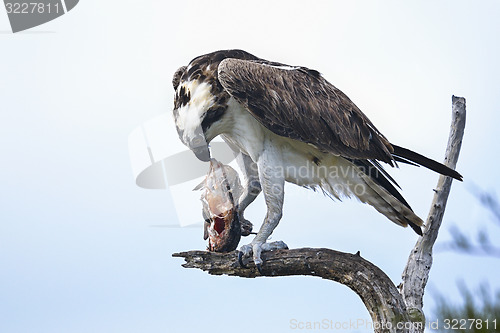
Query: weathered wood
[
  {"x": 373, "y": 286},
  {"x": 416, "y": 273}
]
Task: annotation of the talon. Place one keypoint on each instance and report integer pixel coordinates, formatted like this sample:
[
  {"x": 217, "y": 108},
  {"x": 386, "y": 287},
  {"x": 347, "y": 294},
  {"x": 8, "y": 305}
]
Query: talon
[
  {"x": 240, "y": 260},
  {"x": 259, "y": 268},
  {"x": 257, "y": 248}
]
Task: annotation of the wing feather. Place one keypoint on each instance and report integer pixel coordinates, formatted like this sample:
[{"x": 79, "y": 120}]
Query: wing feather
[{"x": 299, "y": 103}]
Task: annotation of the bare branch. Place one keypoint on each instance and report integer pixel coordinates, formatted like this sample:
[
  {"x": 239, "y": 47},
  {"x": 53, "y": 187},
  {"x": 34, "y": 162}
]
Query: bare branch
[
  {"x": 376, "y": 290},
  {"x": 416, "y": 273}
]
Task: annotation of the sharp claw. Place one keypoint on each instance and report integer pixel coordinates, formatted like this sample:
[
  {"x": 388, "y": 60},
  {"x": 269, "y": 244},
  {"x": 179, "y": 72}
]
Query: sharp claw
[
  {"x": 240, "y": 260},
  {"x": 259, "y": 268}
]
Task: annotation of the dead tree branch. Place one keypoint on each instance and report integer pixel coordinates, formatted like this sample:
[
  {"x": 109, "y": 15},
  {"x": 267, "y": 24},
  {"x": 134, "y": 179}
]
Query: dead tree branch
[
  {"x": 386, "y": 305},
  {"x": 376, "y": 290},
  {"x": 416, "y": 272}
]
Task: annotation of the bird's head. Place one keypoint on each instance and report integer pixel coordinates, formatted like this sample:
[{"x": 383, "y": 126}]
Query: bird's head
[
  {"x": 201, "y": 102},
  {"x": 199, "y": 105}
]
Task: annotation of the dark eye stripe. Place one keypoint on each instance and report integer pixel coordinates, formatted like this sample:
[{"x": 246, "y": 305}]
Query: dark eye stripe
[
  {"x": 182, "y": 97},
  {"x": 212, "y": 116}
]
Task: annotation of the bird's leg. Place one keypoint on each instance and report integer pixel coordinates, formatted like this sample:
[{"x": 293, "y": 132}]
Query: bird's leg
[
  {"x": 251, "y": 189},
  {"x": 272, "y": 180}
]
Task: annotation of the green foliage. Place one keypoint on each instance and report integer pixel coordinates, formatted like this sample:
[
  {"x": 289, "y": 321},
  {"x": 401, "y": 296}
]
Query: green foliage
[
  {"x": 479, "y": 312},
  {"x": 476, "y": 313},
  {"x": 482, "y": 245}
]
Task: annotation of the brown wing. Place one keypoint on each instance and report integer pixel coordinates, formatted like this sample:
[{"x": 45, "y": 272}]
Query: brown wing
[{"x": 299, "y": 103}]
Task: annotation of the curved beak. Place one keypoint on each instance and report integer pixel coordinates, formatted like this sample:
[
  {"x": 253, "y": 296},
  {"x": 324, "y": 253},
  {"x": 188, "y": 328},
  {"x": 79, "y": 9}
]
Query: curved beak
[
  {"x": 202, "y": 153},
  {"x": 199, "y": 146}
]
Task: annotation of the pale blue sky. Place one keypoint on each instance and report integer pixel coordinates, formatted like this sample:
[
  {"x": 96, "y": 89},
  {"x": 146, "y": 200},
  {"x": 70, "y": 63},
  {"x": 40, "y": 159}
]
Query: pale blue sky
[{"x": 77, "y": 250}]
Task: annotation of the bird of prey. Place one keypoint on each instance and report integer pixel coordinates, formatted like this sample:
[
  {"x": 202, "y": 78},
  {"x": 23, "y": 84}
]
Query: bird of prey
[{"x": 288, "y": 123}]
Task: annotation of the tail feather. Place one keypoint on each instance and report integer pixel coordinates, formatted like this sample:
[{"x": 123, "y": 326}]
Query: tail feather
[
  {"x": 401, "y": 154},
  {"x": 372, "y": 186},
  {"x": 403, "y": 160},
  {"x": 387, "y": 204}
]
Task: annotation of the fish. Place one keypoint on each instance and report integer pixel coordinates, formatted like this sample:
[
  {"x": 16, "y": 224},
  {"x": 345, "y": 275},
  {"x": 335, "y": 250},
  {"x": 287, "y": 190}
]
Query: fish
[{"x": 221, "y": 190}]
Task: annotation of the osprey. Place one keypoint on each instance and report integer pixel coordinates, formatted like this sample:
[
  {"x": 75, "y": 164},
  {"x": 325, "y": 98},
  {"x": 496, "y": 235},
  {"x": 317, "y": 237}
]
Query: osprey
[{"x": 287, "y": 123}]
